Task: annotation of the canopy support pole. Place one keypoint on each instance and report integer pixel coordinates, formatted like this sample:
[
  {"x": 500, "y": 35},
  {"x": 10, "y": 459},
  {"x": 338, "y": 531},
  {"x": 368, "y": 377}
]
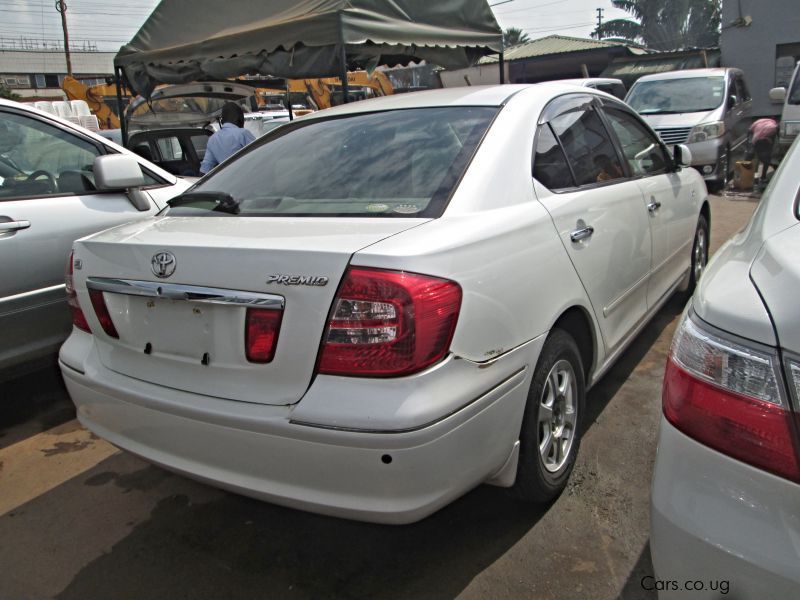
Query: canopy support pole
[
  {"x": 345, "y": 85},
  {"x": 123, "y": 129},
  {"x": 502, "y": 68},
  {"x": 289, "y": 102}
]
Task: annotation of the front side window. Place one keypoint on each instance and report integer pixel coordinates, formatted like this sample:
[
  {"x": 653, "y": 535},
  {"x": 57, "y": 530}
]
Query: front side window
[
  {"x": 38, "y": 159},
  {"x": 588, "y": 147},
  {"x": 401, "y": 163},
  {"x": 641, "y": 149},
  {"x": 673, "y": 96}
]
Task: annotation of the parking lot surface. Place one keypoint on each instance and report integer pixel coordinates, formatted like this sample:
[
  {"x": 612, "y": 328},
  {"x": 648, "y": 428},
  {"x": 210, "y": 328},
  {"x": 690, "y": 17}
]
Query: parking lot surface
[{"x": 80, "y": 519}]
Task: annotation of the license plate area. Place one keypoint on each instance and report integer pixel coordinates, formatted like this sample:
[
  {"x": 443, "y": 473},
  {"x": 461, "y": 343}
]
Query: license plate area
[
  {"x": 181, "y": 322},
  {"x": 179, "y": 328}
]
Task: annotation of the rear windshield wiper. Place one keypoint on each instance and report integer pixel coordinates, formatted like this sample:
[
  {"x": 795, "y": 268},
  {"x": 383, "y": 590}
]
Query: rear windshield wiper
[{"x": 213, "y": 201}]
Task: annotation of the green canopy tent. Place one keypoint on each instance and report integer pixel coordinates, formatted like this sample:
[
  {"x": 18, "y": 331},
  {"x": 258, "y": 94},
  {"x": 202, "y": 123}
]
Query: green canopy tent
[{"x": 191, "y": 40}]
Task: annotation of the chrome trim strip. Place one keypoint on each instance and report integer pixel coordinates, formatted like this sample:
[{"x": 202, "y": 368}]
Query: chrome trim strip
[
  {"x": 670, "y": 258},
  {"x": 177, "y": 291},
  {"x": 23, "y": 295},
  {"x": 607, "y": 310},
  {"x": 501, "y": 388}
]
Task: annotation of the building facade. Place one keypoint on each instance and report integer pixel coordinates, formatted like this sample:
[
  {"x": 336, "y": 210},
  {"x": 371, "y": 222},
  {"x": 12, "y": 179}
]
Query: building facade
[
  {"x": 38, "y": 75},
  {"x": 761, "y": 37}
]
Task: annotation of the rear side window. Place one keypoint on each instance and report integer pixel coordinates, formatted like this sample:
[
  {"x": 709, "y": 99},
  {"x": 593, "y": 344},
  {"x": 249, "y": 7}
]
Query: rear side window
[
  {"x": 549, "y": 163},
  {"x": 589, "y": 150},
  {"x": 170, "y": 148},
  {"x": 402, "y": 163}
]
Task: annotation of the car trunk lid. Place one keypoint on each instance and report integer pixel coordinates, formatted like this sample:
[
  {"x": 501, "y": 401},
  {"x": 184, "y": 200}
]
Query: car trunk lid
[{"x": 187, "y": 331}]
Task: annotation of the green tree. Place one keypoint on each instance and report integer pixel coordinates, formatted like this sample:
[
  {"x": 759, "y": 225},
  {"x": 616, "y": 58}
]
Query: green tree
[
  {"x": 659, "y": 25},
  {"x": 7, "y": 93},
  {"x": 513, "y": 36}
]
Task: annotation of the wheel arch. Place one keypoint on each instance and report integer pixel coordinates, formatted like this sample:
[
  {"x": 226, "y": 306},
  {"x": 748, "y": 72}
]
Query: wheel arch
[{"x": 577, "y": 322}]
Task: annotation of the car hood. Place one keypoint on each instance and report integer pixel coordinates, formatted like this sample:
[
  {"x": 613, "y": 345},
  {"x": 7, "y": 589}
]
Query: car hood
[
  {"x": 776, "y": 274},
  {"x": 678, "y": 120}
]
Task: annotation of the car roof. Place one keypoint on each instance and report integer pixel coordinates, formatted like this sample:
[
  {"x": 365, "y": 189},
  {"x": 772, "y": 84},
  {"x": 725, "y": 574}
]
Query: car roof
[
  {"x": 484, "y": 95},
  {"x": 688, "y": 73}
]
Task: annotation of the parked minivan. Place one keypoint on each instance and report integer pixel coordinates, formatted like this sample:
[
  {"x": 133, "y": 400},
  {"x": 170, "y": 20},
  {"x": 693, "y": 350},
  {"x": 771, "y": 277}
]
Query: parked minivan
[
  {"x": 707, "y": 109},
  {"x": 790, "y": 117}
]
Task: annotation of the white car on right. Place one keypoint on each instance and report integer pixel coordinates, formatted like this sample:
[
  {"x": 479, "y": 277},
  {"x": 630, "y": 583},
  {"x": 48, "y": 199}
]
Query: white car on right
[{"x": 726, "y": 488}]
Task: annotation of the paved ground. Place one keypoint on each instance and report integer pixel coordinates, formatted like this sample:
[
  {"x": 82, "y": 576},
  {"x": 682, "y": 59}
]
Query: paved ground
[{"x": 79, "y": 519}]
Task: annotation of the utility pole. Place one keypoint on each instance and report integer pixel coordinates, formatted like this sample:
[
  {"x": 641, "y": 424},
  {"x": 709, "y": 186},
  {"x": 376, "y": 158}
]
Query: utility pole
[
  {"x": 61, "y": 7},
  {"x": 599, "y": 22}
]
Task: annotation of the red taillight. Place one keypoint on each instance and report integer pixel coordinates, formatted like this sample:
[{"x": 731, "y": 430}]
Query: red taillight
[
  {"x": 389, "y": 323},
  {"x": 101, "y": 310},
  {"x": 78, "y": 318},
  {"x": 703, "y": 397},
  {"x": 262, "y": 326}
]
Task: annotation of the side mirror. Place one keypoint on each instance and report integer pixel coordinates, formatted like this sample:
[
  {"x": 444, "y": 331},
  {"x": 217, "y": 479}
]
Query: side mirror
[
  {"x": 682, "y": 155},
  {"x": 117, "y": 172},
  {"x": 732, "y": 100},
  {"x": 778, "y": 95}
]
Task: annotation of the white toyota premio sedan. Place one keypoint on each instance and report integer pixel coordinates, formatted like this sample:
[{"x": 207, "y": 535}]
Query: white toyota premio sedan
[{"x": 372, "y": 310}]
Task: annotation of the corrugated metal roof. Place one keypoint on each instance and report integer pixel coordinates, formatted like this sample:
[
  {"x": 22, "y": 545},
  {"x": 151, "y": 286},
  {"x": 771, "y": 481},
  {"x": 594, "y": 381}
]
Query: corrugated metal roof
[{"x": 552, "y": 44}]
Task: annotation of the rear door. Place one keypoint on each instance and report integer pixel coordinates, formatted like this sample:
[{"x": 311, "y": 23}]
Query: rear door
[
  {"x": 47, "y": 200},
  {"x": 598, "y": 210}
]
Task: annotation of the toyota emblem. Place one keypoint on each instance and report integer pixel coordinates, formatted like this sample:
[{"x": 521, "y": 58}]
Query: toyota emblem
[{"x": 163, "y": 264}]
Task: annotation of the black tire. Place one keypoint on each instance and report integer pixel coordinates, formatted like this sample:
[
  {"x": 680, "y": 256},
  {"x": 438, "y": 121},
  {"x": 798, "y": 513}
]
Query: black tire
[
  {"x": 537, "y": 481},
  {"x": 725, "y": 167},
  {"x": 699, "y": 253}
]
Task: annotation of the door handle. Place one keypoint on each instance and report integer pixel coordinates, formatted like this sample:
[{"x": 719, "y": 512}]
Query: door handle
[
  {"x": 13, "y": 225},
  {"x": 653, "y": 206},
  {"x": 582, "y": 233}
]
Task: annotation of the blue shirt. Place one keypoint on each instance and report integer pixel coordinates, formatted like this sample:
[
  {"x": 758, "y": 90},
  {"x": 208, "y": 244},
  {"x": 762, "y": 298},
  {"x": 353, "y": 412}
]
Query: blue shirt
[{"x": 223, "y": 143}]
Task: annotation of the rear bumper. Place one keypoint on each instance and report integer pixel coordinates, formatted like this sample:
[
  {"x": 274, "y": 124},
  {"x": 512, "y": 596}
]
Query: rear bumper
[
  {"x": 717, "y": 520},
  {"x": 258, "y": 450}
]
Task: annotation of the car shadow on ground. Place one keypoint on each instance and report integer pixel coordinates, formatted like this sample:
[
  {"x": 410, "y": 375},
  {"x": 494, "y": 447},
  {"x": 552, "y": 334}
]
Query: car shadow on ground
[
  {"x": 32, "y": 401},
  {"x": 231, "y": 546}
]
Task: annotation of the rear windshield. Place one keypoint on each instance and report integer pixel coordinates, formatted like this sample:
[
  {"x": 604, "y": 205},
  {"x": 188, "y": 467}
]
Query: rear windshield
[
  {"x": 402, "y": 163},
  {"x": 669, "y": 96}
]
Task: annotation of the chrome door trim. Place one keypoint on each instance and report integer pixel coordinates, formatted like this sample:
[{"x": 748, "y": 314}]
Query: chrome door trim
[
  {"x": 32, "y": 293},
  {"x": 177, "y": 291},
  {"x": 607, "y": 310}
]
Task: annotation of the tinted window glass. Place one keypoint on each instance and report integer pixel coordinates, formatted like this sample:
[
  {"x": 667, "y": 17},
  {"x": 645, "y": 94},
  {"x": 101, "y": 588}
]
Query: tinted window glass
[
  {"x": 37, "y": 159},
  {"x": 170, "y": 148},
  {"x": 200, "y": 142},
  {"x": 588, "y": 148},
  {"x": 640, "y": 148},
  {"x": 402, "y": 163},
  {"x": 549, "y": 163}
]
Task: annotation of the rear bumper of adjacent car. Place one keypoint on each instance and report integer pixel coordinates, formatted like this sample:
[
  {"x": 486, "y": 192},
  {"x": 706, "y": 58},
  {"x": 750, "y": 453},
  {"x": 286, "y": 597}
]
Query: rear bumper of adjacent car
[
  {"x": 260, "y": 451},
  {"x": 719, "y": 522}
]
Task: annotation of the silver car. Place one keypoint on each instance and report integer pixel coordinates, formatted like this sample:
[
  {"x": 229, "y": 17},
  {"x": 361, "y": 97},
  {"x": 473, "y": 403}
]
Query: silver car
[
  {"x": 726, "y": 488},
  {"x": 58, "y": 182},
  {"x": 707, "y": 109}
]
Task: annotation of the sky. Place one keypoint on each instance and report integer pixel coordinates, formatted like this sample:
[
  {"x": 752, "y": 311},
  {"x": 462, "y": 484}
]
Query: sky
[{"x": 110, "y": 23}]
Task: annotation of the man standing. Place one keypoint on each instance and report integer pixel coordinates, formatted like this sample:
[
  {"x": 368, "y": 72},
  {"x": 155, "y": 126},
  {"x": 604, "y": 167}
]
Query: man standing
[{"x": 230, "y": 138}]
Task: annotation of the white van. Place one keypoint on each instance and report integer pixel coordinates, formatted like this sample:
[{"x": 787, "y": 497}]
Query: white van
[
  {"x": 707, "y": 109},
  {"x": 790, "y": 117}
]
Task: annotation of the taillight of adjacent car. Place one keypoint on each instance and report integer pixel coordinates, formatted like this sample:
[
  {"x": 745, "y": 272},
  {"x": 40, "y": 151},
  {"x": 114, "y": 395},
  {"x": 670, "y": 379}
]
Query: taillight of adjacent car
[
  {"x": 78, "y": 318},
  {"x": 727, "y": 393},
  {"x": 388, "y": 323}
]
